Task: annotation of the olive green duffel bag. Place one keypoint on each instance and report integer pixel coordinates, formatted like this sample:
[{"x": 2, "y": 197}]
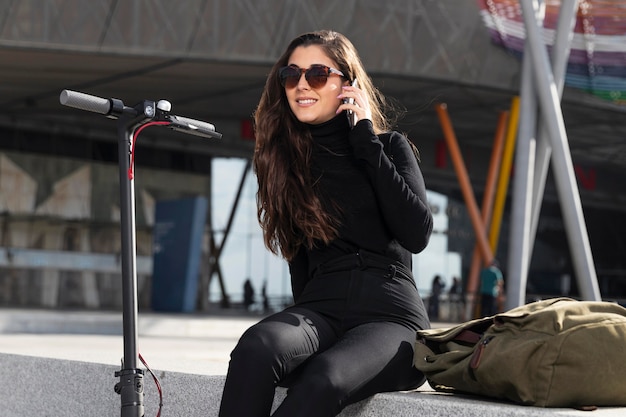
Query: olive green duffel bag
[{"x": 552, "y": 353}]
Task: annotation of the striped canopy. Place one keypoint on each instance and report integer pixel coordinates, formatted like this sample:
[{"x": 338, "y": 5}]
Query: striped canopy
[{"x": 597, "y": 62}]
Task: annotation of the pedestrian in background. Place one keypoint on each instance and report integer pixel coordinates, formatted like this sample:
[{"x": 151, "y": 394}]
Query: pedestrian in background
[
  {"x": 435, "y": 295},
  {"x": 491, "y": 282},
  {"x": 248, "y": 294},
  {"x": 455, "y": 297}
]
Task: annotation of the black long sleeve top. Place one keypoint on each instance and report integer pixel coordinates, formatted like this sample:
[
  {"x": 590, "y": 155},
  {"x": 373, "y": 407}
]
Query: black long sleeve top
[{"x": 376, "y": 191}]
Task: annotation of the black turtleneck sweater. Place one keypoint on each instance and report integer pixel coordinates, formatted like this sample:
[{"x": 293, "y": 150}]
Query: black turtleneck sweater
[{"x": 376, "y": 191}]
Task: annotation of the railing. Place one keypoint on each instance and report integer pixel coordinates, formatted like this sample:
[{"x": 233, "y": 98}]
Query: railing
[{"x": 51, "y": 264}]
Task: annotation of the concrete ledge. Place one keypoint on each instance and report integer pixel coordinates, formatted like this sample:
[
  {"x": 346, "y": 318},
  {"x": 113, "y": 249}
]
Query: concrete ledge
[{"x": 35, "y": 386}]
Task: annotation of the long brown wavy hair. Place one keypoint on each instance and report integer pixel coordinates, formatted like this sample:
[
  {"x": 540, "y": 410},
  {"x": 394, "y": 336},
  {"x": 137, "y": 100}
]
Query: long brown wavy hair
[{"x": 289, "y": 207}]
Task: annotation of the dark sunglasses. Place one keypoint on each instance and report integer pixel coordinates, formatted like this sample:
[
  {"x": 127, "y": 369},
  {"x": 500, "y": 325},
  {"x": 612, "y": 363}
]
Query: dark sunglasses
[{"x": 316, "y": 75}]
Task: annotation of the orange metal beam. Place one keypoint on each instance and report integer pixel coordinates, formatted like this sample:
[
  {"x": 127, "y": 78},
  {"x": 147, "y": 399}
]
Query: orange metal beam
[
  {"x": 464, "y": 182},
  {"x": 488, "y": 198}
]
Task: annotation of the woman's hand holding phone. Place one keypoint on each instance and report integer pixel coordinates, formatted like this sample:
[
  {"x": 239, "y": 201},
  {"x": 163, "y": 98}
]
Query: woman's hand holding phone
[{"x": 354, "y": 103}]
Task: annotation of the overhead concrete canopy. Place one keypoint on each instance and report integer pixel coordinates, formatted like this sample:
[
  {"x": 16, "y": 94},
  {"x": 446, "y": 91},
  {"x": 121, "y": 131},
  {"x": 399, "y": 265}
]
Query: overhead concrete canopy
[{"x": 210, "y": 59}]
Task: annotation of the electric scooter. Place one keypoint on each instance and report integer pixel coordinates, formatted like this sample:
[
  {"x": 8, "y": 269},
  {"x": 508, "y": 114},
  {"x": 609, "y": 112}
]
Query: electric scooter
[{"x": 130, "y": 122}]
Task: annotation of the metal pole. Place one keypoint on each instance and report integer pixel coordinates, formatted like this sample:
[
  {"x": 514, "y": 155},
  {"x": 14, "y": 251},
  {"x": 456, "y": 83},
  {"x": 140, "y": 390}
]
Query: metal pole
[
  {"x": 560, "y": 56},
  {"x": 521, "y": 206},
  {"x": 565, "y": 178},
  {"x": 130, "y": 386},
  {"x": 129, "y": 253}
]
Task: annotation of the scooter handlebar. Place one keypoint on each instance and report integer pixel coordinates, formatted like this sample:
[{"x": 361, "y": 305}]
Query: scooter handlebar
[
  {"x": 104, "y": 106},
  {"x": 85, "y": 102}
]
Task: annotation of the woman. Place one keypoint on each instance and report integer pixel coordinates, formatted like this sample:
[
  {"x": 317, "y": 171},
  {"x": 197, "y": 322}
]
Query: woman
[{"x": 346, "y": 217}]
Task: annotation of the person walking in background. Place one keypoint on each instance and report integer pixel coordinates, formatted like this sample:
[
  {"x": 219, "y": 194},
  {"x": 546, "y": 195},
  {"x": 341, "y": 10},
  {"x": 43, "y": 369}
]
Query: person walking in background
[
  {"x": 248, "y": 294},
  {"x": 435, "y": 296},
  {"x": 342, "y": 198},
  {"x": 491, "y": 282},
  {"x": 455, "y": 297},
  {"x": 266, "y": 301}
]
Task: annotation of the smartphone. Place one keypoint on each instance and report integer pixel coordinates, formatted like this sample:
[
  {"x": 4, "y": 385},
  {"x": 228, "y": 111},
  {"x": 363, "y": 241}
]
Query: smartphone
[{"x": 350, "y": 113}]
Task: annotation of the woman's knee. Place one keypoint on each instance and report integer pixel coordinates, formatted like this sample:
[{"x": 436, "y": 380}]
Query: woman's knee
[
  {"x": 262, "y": 349},
  {"x": 253, "y": 346}
]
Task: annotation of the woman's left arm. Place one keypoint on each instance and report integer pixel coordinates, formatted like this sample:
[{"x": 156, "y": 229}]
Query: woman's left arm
[{"x": 398, "y": 184}]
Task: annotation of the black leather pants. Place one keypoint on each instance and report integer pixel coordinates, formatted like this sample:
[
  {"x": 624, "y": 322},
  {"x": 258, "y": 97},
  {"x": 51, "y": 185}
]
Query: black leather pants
[{"x": 350, "y": 335}]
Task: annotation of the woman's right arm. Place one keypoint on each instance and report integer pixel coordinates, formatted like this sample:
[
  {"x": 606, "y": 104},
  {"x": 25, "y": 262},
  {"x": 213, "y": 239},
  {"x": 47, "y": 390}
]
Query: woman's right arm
[{"x": 398, "y": 184}]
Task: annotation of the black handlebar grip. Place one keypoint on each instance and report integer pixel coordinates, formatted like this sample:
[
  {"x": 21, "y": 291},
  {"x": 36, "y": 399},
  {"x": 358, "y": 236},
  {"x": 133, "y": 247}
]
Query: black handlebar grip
[{"x": 85, "y": 102}]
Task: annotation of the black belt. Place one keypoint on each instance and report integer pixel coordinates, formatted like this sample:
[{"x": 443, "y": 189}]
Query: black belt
[{"x": 362, "y": 259}]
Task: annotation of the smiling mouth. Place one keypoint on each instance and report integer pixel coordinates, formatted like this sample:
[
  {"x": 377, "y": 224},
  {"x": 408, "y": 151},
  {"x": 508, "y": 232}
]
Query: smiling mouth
[{"x": 307, "y": 101}]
